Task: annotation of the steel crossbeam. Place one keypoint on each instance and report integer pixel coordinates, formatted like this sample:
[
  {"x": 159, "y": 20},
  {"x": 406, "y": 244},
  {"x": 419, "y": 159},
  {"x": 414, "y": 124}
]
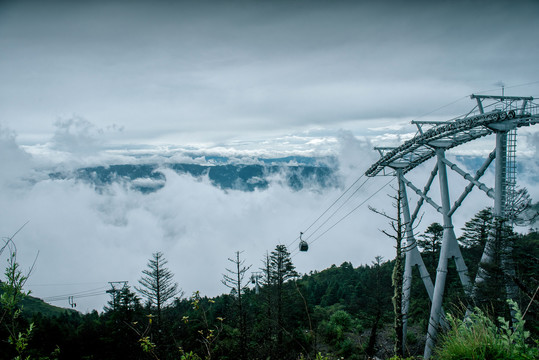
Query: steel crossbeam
[
  {"x": 425, "y": 191},
  {"x": 420, "y": 193},
  {"x": 470, "y": 186},
  {"x": 465, "y": 175}
]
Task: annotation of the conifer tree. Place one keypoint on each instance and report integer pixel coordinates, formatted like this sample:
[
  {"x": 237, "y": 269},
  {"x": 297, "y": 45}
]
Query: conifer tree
[
  {"x": 157, "y": 286},
  {"x": 282, "y": 269},
  {"x": 431, "y": 241},
  {"x": 122, "y": 311},
  {"x": 369, "y": 350},
  {"x": 476, "y": 231}
]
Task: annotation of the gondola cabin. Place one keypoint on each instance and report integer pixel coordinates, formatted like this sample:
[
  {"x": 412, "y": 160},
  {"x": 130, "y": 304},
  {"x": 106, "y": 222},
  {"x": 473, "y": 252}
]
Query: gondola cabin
[{"x": 303, "y": 245}]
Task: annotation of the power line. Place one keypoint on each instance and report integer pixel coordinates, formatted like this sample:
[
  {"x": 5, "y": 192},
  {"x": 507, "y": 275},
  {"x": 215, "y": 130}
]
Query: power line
[
  {"x": 339, "y": 208},
  {"x": 354, "y": 209},
  {"x": 80, "y": 294},
  {"x": 295, "y": 252},
  {"x": 340, "y": 197},
  {"x": 440, "y": 108},
  {"x": 67, "y": 297},
  {"x": 66, "y": 284},
  {"x": 329, "y": 207}
]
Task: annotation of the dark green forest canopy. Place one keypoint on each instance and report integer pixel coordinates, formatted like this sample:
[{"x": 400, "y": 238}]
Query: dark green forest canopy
[{"x": 334, "y": 311}]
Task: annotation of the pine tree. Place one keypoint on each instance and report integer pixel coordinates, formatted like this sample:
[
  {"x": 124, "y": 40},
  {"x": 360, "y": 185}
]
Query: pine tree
[
  {"x": 489, "y": 241},
  {"x": 431, "y": 241},
  {"x": 476, "y": 231},
  {"x": 282, "y": 269},
  {"x": 377, "y": 295},
  {"x": 123, "y": 301},
  {"x": 474, "y": 237},
  {"x": 122, "y": 311},
  {"x": 157, "y": 286}
]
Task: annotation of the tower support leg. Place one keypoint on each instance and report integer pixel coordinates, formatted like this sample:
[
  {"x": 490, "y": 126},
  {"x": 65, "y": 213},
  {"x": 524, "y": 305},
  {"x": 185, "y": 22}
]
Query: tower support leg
[
  {"x": 499, "y": 209},
  {"x": 412, "y": 257},
  {"x": 449, "y": 249}
]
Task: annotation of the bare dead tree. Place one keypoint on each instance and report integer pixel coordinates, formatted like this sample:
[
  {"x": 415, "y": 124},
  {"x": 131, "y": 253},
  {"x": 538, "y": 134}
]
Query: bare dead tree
[
  {"x": 398, "y": 226},
  {"x": 234, "y": 280}
]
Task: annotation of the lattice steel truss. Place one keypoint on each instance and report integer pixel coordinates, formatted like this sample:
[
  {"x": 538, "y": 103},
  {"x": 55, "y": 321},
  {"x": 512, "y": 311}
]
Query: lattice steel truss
[
  {"x": 497, "y": 115},
  {"x": 449, "y": 134}
]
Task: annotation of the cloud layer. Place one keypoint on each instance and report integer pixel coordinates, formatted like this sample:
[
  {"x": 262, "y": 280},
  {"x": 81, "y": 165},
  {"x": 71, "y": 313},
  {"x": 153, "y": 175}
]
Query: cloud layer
[
  {"x": 192, "y": 73},
  {"x": 86, "y": 236}
]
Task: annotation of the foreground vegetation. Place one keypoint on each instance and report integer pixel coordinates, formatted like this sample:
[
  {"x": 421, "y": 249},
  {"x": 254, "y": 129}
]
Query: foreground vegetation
[
  {"x": 341, "y": 312},
  {"x": 478, "y": 337}
]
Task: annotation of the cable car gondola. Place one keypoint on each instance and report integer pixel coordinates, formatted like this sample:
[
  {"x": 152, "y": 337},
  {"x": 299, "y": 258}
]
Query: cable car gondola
[{"x": 303, "y": 245}]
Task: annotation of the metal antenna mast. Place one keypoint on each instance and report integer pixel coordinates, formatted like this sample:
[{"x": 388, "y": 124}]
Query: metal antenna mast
[{"x": 497, "y": 115}]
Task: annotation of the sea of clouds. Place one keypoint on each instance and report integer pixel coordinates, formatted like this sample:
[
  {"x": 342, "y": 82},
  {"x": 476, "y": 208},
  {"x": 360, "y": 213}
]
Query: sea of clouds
[{"x": 84, "y": 238}]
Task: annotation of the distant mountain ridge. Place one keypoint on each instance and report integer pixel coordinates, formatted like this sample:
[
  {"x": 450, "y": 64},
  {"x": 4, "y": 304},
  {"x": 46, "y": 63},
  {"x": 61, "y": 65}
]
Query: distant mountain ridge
[{"x": 295, "y": 172}]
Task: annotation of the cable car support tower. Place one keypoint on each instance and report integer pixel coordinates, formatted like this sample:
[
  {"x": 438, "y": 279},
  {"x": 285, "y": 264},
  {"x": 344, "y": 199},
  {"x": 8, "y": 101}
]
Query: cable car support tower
[{"x": 498, "y": 115}]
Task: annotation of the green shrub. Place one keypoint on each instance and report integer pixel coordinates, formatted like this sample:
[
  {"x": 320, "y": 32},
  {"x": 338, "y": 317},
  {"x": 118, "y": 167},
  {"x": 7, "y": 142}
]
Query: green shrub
[
  {"x": 342, "y": 318},
  {"x": 477, "y": 337}
]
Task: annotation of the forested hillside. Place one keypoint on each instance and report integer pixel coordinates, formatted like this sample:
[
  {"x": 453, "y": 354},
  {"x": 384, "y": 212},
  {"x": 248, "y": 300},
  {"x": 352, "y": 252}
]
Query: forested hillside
[
  {"x": 340, "y": 312},
  {"x": 296, "y": 173}
]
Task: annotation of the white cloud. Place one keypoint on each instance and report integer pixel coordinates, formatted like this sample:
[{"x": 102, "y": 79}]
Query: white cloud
[
  {"x": 17, "y": 164},
  {"x": 85, "y": 236},
  {"x": 80, "y": 136},
  {"x": 91, "y": 237}
]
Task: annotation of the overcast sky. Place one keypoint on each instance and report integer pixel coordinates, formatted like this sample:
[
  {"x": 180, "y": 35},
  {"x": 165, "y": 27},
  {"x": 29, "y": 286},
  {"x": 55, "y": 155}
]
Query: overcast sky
[
  {"x": 91, "y": 82},
  {"x": 216, "y": 71}
]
